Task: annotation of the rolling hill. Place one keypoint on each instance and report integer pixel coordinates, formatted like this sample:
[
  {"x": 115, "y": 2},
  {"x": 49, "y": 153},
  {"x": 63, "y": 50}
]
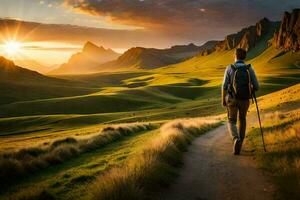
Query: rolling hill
[
  {"x": 20, "y": 84},
  {"x": 86, "y": 60}
]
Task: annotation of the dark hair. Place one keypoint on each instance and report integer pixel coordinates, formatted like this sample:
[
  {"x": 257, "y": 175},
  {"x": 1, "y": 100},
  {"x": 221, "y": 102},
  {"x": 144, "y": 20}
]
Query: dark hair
[{"x": 240, "y": 54}]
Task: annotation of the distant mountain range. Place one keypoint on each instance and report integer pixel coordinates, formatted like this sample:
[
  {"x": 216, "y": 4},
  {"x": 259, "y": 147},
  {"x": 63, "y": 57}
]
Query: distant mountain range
[
  {"x": 34, "y": 65},
  {"x": 85, "y": 61},
  {"x": 150, "y": 58}
]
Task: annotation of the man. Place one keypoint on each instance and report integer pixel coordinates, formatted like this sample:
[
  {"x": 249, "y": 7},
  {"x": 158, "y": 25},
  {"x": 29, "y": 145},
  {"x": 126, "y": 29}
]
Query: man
[{"x": 239, "y": 83}]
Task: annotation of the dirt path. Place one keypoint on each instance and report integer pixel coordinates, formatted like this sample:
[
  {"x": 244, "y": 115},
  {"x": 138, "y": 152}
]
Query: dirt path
[{"x": 211, "y": 172}]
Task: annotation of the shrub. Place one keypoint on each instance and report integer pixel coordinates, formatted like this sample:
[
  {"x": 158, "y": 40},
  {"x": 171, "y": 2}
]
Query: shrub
[{"x": 68, "y": 140}]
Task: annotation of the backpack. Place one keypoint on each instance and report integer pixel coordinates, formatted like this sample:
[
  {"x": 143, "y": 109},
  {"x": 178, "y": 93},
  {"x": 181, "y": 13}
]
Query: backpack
[{"x": 241, "y": 86}]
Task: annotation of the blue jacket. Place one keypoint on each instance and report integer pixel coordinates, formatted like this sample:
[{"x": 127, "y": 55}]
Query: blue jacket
[{"x": 229, "y": 73}]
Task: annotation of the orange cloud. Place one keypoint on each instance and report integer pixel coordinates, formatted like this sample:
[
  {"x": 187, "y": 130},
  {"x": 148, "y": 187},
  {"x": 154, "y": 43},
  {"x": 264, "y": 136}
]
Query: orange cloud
[{"x": 31, "y": 31}]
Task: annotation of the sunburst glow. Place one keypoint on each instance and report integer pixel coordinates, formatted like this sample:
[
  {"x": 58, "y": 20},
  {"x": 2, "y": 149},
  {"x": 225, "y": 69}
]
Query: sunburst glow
[{"x": 12, "y": 47}]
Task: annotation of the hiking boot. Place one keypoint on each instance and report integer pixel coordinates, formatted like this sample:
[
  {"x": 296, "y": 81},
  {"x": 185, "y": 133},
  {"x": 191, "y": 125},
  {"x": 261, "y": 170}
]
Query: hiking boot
[{"x": 236, "y": 147}]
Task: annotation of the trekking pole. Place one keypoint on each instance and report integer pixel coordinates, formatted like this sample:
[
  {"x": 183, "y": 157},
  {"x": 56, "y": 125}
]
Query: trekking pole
[{"x": 261, "y": 130}]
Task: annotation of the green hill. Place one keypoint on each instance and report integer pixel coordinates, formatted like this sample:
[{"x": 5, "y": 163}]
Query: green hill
[{"x": 20, "y": 84}]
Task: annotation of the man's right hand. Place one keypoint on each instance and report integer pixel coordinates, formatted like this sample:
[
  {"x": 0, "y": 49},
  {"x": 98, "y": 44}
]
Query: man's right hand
[{"x": 224, "y": 94}]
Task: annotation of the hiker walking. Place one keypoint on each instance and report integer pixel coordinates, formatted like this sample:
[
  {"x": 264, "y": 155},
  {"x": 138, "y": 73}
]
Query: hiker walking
[{"x": 238, "y": 86}]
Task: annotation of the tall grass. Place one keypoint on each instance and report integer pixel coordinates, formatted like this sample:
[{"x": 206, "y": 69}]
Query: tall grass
[
  {"x": 282, "y": 160},
  {"x": 15, "y": 165},
  {"x": 154, "y": 167}
]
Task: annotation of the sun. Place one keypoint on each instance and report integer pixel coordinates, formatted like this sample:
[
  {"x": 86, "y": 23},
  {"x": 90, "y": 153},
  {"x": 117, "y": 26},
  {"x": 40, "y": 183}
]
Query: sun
[{"x": 12, "y": 47}]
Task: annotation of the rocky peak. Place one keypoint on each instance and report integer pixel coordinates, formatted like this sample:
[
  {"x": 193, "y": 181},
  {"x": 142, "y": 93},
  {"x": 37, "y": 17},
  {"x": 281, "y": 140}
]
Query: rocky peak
[
  {"x": 84, "y": 61},
  {"x": 288, "y": 35},
  {"x": 89, "y": 47},
  {"x": 262, "y": 27}
]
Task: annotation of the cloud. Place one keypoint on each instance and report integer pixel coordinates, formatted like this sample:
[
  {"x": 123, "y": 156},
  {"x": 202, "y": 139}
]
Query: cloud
[
  {"x": 38, "y": 32},
  {"x": 43, "y": 48},
  {"x": 185, "y": 18}
]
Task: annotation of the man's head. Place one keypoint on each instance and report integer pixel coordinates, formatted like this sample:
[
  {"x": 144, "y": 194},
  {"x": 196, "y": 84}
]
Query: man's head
[{"x": 240, "y": 54}]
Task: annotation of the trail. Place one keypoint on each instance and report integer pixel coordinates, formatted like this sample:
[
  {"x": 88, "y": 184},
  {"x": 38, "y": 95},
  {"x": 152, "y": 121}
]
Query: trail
[{"x": 211, "y": 172}]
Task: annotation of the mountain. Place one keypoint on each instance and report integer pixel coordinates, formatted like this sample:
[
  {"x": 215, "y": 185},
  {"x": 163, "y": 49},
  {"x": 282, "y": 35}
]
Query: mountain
[
  {"x": 33, "y": 65},
  {"x": 248, "y": 37},
  {"x": 20, "y": 84},
  {"x": 84, "y": 61},
  {"x": 149, "y": 58},
  {"x": 288, "y": 35}
]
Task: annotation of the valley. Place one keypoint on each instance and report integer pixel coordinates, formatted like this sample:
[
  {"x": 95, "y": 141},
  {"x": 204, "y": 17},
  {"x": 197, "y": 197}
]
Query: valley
[{"x": 147, "y": 105}]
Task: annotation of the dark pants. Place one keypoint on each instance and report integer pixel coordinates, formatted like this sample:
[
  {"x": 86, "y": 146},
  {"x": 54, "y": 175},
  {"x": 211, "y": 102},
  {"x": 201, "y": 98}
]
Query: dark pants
[{"x": 237, "y": 109}]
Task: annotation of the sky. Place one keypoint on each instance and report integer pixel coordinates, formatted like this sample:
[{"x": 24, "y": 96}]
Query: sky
[{"x": 121, "y": 24}]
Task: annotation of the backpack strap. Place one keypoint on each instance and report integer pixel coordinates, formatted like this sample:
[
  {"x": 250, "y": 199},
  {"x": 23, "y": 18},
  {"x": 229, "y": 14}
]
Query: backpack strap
[
  {"x": 230, "y": 84},
  {"x": 234, "y": 69}
]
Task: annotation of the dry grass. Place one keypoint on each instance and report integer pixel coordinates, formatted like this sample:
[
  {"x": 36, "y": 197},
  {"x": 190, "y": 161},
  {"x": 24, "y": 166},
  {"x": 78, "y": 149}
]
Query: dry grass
[
  {"x": 281, "y": 123},
  {"x": 154, "y": 167},
  {"x": 15, "y": 165},
  {"x": 282, "y": 161}
]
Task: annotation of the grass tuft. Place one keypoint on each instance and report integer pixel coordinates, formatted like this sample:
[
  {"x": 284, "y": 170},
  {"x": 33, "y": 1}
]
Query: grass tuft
[
  {"x": 16, "y": 165},
  {"x": 154, "y": 167},
  {"x": 68, "y": 140}
]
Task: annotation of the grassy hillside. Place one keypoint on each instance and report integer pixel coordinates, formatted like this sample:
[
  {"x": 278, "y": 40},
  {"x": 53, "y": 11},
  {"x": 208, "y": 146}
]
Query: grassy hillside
[
  {"x": 184, "y": 89},
  {"x": 275, "y": 69},
  {"x": 66, "y": 167},
  {"x": 281, "y": 124}
]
